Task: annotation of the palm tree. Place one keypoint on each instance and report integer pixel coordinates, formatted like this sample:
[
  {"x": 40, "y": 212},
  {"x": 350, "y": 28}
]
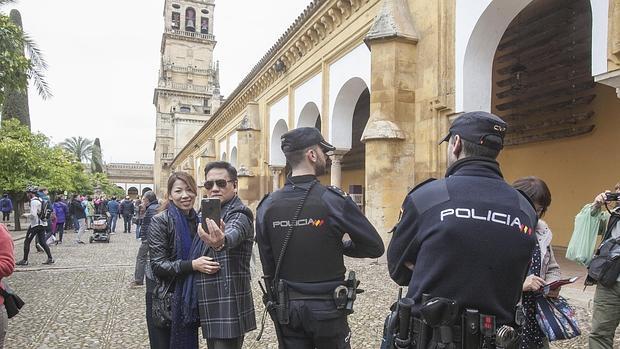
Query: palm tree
[
  {"x": 37, "y": 63},
  {"x": 81, "y": 148}
]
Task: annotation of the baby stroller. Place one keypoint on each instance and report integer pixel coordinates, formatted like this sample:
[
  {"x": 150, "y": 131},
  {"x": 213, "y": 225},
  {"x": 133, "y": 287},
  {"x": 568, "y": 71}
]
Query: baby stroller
[{"x": 101, "y": 228}]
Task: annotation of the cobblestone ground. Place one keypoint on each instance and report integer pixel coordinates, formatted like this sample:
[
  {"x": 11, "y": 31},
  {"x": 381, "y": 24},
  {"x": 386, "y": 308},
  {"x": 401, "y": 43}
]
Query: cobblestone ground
[{"x": 83, "y": 301}]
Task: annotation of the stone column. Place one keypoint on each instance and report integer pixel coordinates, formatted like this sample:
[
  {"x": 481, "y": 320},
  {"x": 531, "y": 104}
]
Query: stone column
[
  {"x": 276, "y": 172},
  {"x": 392, "y": 41},
  {"x": 248, "y": 140},
  {"x": 207, "y": 156},
  {"x": 336, "y": 168}
]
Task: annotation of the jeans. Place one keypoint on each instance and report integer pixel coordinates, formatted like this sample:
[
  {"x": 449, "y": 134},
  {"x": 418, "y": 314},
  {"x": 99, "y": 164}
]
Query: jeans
[
  {"x": 38, "y": 232},
  {"x": 141, "y": 260},
  {"x": 605, "y": 316},
  {"x": 60, "y": 229},
  {"x": 82, "y": 223},
  {"x": 76, "y": 224},
  {"x": 127, "y": 223},
  {"x": 6, "y": 216},
  {"x": 114, "y": 219},
  {"x": 138, "y": 225}
]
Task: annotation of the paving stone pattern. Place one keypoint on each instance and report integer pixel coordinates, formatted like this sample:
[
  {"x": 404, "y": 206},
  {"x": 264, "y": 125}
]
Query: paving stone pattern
[{"x": 83, "y": 301}]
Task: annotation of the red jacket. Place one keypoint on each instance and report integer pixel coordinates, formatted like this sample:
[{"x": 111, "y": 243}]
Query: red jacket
[{"x": 7, "y": 258}]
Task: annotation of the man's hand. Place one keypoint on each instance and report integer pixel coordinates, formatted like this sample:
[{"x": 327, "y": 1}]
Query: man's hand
[
  {"x": 599, "y": 200},
  {"x": 205, "y": 265},
  {"x": 533, "y": 283},
  {"x": 214, "y": 237}
]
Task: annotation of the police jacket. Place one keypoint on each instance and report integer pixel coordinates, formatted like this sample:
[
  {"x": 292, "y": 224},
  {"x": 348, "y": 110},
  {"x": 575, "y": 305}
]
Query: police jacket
[
  {"x": 127, "y": 208},
  {"x": 470, "y": 237},
  {"x": 315, "y": 250}
]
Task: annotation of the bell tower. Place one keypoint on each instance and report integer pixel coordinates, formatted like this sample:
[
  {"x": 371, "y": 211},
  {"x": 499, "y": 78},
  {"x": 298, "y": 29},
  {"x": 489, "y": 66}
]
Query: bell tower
[{"x": 188, "y": 90}]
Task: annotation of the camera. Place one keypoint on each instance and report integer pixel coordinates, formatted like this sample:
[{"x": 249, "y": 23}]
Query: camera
[{"x": 612, "y": 196}]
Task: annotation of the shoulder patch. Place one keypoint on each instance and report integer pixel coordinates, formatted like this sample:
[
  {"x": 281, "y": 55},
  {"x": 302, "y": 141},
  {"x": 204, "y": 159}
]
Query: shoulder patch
[
  {"x": 338, "y": 191},
  {"x": 263, "y": 199},
  {"x": 422, "y": 184}
]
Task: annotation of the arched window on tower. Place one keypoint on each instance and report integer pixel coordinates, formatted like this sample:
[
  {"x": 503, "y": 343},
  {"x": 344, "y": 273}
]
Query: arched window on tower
[
  {"x": 176, "y": 20},
  {"x": 204, "y": 25},
  {"x": 190, "y": 19}
]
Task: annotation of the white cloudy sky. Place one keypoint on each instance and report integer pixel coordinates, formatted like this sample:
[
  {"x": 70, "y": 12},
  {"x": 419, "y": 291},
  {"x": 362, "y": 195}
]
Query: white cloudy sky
[{"x": 103, "y": 60}]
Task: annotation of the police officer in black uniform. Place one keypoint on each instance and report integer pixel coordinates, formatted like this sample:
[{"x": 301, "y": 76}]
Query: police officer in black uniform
[
  {"x": 312, "y": 303},
  {"x": 468, "y": 237}
]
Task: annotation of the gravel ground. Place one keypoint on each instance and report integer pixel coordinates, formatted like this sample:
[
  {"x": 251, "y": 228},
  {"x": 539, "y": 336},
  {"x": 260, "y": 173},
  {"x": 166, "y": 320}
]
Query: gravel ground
[{"x": 83, "y": 301}]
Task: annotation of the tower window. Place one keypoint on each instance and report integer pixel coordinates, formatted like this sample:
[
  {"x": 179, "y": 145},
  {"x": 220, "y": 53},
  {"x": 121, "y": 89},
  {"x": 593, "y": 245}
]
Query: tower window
[
  {"x": 190, "y": 19},
  {"x": 176, "y": 20},
  {"x": 204, "y": 25},
  {"x": 205, "y": 11},
  {"x": 177, "y": 6},
  {"x": 185, "y": 109}
]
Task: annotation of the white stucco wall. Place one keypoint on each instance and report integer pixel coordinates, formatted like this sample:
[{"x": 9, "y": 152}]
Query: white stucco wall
[
  {"x": 355, "y": 64},
  {"x": 310, "y": 91}
]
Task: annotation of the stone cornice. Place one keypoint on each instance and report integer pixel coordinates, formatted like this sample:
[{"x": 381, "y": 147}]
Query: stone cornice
[{"x": 318, "y": 21}]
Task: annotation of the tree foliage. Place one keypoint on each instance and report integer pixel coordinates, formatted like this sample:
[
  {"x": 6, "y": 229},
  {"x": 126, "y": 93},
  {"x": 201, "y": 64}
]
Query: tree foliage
[
  {"x": 29, "y": 159},
  {"x": 15, "y": 68},
  {"x": 16, "y": 100},
  {"x": 96, "y": 164},
  {"x": 81, "y": 148}
]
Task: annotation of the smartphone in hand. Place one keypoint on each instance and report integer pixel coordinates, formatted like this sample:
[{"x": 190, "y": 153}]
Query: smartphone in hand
[{"x": 210, "y": 208}]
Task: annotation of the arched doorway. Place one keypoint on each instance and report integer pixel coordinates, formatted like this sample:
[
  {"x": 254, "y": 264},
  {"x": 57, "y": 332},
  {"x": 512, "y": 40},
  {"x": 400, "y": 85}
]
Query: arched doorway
[
  {"x": 310, "y": 116},
  {"x": 233, "y": 156},
  {"x": 145, "y": 189},
  {"x": 351, "y": 114},
  {"x": 542, "y": 85}
]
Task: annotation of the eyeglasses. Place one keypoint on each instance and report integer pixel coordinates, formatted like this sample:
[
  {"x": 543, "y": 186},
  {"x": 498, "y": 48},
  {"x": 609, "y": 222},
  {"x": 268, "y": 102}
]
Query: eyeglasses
[{"x": 221, "y": 183}]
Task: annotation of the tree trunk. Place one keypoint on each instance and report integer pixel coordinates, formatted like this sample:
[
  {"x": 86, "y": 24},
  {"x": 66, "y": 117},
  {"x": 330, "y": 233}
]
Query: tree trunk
[{"x": 17, "y": 214}]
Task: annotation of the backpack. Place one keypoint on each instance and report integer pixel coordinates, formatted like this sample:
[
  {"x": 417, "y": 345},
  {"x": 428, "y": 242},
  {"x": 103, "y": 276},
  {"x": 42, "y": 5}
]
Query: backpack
[
  {"x": 605, "y": 265},
  {"x": 46, "y": 210}
]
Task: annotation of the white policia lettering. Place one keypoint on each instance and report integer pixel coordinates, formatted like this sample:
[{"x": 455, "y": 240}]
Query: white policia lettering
[
  {"x": 298, "y": 223},
  {"x": 491, "y": 216}
]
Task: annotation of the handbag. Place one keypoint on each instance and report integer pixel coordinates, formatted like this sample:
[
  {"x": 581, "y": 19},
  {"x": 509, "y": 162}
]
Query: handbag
[
  {"x": 556, "y": 318},
  {"x": 605, "y": 265},
  {"x": 162, "y": 307},
  {"x": 12, "y": 302}
]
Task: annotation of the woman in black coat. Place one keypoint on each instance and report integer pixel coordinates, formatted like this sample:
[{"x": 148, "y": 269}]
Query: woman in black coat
[{"x": 174, "y": 251}]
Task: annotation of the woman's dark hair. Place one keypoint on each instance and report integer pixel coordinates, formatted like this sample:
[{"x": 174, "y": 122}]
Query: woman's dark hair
[
  {"x": 232, "y": 171},
  {"x": 57, "y": 198},
  {"x": 536, "y": 189},
  {"x": 182, "y": 176}
]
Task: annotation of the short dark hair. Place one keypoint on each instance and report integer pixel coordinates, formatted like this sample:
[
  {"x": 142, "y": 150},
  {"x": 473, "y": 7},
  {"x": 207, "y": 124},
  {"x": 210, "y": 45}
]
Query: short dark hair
[
  {"x": 232, "y": 171},
  {"x": 296, "y": 157},
  {"x": 473, "y": 149},
  {"x": 536, "y": 189},
  {"x": 150, "y": 196}
]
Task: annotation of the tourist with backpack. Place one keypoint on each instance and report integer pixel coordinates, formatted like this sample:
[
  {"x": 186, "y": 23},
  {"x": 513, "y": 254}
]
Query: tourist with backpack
[
  {"x": 40, "y": 213},
  {"x": 62, "y": 211},
  {"x": 6, "y": 206}
]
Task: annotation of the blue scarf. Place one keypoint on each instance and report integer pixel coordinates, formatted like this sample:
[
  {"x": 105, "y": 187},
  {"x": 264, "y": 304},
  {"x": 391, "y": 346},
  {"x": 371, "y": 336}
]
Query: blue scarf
[{"x": 185, "y": 318}]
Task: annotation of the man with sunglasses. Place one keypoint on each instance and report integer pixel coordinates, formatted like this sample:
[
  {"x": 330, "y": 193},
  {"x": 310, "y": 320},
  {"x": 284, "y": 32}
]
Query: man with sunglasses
[
  {"x": 225, "y": 299},
  {"x": 300, "y": 230}
]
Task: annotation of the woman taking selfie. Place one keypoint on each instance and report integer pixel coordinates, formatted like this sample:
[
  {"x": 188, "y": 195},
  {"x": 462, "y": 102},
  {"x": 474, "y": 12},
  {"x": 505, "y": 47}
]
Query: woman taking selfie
[{"x": 175, "y": 256}]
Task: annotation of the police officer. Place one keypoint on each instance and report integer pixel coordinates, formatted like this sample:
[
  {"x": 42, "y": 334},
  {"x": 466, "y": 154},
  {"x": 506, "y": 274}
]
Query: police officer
[
  {"x": 303, "y": 225},
  {"x": 467, "y": 237}
]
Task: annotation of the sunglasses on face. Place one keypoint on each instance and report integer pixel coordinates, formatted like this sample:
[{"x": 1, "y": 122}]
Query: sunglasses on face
[{"x": 221, "y": 183}]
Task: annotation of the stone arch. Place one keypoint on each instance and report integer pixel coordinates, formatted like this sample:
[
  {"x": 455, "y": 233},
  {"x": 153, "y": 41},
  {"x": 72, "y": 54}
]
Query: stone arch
[
  {"x": 475, "y": 53},
  {"x": 223, "y": 157},
  {"x": 233, "y": 156},
  {"x": 145, "y": 189},
  {"x": 310, "y": 116},
  {"x": 276, "y": 156},
  {"x": 343, "y": 110}
]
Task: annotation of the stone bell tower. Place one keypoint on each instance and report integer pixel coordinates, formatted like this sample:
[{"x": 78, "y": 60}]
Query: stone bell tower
[{"x": 188, "y": 90}]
